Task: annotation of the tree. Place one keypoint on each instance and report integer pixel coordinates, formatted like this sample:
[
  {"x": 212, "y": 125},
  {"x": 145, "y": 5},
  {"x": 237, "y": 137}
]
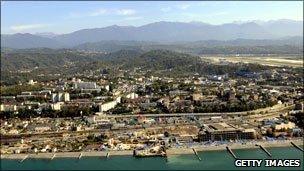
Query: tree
[
  {"x": 269, "y": 132},
  {"x": 166, "y": 134}
]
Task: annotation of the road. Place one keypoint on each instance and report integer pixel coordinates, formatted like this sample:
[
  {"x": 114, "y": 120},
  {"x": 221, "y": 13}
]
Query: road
[{"x": 275, "y": 108}]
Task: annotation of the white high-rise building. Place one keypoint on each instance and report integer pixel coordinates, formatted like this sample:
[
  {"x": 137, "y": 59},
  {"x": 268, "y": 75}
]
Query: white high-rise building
[
  {"x": 60, "y": 97},
  {"x": 66, "y": 97}
]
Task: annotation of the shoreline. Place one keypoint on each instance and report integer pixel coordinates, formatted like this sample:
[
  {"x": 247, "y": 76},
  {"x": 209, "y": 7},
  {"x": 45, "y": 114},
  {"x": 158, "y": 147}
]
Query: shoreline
[
  {"x": 171, "y": 151},
  {"x": 235, "y": 146}
]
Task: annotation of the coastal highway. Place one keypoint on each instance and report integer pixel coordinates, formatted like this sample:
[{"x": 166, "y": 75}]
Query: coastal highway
[{"x": 275, "y": 108}]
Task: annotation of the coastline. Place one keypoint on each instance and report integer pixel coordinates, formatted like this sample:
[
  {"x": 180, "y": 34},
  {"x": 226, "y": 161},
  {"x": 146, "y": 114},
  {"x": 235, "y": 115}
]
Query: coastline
[
  {"x": 250, "y": 145},
  {"x": 171, "y": 151}
]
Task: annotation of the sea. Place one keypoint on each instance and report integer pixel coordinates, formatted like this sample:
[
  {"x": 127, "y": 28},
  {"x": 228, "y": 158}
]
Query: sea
[{"x": 210, "y": 160}]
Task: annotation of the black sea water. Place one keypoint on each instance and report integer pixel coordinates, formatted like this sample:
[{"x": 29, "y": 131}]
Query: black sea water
[{"x": 210, "y": 160}]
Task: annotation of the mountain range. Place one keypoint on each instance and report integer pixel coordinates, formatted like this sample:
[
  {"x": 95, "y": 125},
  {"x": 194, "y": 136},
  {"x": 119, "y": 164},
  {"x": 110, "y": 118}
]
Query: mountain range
[{"x": 161, "y": 32}]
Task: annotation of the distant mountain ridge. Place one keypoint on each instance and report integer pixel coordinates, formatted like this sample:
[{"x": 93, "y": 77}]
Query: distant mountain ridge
[
  {"x": 46, "y": 34},
  {"x": 23, "y": 41},
  {"x": 162, "y": 32},
  {"x": 239, "y": 46}
]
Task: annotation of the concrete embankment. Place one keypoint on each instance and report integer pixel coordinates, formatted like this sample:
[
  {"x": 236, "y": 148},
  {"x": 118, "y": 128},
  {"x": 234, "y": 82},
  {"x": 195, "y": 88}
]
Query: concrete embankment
[
  {"x": 171, "y": 151},
  {"x": 269, "y": 144}
]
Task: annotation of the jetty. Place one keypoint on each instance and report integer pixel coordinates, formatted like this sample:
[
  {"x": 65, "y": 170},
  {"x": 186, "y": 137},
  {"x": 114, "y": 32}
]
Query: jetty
[
  {"x": 231, "y": 152},
  {"x": 80, "y": 155},
  {"x": 264, "y": 149},
  {"x": 195, "y": 152},
  {"x": 25, "y": 157},
  {"x": 54, "y": 155},
  {"x": 298, "y": 147}
]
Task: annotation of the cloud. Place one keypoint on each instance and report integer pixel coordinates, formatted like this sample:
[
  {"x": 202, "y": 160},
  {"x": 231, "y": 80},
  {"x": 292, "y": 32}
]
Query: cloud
[
  {"x": 125, "y": 12},
  {"x": 166, "y": 9},
  {"x": 98, "y": 12},
  {"x": 27, "y": 27},
  {"x": 183, "y": 6}
]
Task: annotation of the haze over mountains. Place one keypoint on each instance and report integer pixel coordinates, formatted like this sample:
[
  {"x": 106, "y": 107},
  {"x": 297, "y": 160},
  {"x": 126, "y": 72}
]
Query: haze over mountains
[{"x": 281, "y": 32}]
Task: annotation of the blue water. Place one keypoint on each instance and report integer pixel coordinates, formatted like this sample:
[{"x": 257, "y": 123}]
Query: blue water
[{"x": 211, "y": 160}]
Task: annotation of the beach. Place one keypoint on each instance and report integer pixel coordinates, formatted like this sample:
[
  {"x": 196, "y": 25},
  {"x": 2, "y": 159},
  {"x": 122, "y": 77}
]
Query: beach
[{"x": 170, "y": 151}]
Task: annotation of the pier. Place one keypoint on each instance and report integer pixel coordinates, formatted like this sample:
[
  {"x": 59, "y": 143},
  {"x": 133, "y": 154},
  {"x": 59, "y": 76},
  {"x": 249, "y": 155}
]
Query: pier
[
  {"x": 231, "y": 152},
  {"x": 25, "y": 157},
  {"x": 298, "y": 147},
  {"x": 54, "y": 155},
  {"x": 264, "y": 149},
  {"x": 108, "y": 155},
  {"x": 80, "y": 155},
  {"x": 195, "y": 152}
]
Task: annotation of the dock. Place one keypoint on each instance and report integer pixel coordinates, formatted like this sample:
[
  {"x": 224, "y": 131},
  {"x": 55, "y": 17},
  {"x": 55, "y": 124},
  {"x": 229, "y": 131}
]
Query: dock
[
  {"x": 298, "y": 147},
  {"x": 25, "y": 157},
  {"x": 195, "y": 152},
  {"x": 264, "y": 149},
  {"x": 231, "y": 152},
  {"x": 54, "y": 155},
  {"x": 80, "y": 155}
]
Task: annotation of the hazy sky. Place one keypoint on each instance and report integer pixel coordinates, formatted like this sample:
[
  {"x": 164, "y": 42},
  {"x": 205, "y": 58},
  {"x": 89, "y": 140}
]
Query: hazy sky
[{"x": 65, "y": 17}]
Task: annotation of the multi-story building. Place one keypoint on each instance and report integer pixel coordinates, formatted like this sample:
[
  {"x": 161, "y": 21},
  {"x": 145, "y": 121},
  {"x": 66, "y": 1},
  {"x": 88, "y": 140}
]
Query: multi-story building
[
  {"x": 8, "y": 107},
  {"x": 223, "y": 131},
  {"x": 284, "y": 125},
  {"x": 109, "y": 105},
  {"x": 60, "y": 97},
  {"x": 85, "y": 85}
]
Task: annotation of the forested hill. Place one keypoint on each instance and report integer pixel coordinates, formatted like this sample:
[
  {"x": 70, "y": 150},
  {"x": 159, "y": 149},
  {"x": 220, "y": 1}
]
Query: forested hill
[
  {"x": 49, "y": 58},
  {"x": 292, "y": 45},
  {"x": 44, "y": 58},
  {"x": 163, "y": 60},
  {"x": 169, "y": 62},
  {"x": 22, "y": 65}
]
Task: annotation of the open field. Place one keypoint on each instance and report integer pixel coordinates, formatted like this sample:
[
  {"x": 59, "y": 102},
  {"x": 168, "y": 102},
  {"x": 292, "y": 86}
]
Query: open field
[{"x": 271, "y": 61}]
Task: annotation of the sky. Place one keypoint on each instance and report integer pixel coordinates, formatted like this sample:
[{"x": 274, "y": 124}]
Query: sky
[{"x": 65, "y": 17}]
